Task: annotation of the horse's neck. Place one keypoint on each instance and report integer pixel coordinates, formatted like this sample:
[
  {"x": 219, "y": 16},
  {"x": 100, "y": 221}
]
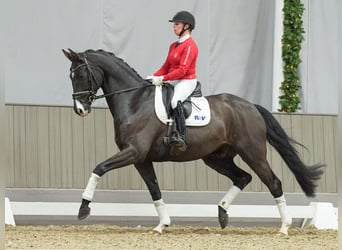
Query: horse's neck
[
  {"x": 120, "y": 77},
  {"x": 124, "y": 107},
  {"x": 132, "y": 94},
  {"x": 113, "y": 83}
]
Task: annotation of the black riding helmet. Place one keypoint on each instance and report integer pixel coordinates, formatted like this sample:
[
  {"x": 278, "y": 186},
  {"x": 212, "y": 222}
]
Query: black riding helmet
[{"x": 184, "y": 17}]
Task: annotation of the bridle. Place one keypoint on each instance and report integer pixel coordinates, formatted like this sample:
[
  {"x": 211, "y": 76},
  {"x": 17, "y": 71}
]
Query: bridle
[{"x": 92, "y": 79}]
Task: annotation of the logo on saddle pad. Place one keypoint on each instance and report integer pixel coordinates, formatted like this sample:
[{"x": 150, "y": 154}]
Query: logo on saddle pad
[{"x": 200, "y": 115}]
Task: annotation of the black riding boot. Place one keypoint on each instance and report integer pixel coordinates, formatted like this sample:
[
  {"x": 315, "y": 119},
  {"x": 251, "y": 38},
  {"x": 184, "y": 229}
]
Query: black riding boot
[{"x": 178, "y": 138}]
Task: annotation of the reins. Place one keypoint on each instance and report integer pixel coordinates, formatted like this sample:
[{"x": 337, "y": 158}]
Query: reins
[{"x": 121, "y": 91}]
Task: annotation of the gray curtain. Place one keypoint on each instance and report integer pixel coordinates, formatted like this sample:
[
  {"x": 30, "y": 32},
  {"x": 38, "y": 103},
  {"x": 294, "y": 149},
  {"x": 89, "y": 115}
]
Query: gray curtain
[
  {"x": 319, "y": 70},
  {"x": 235, "y": 40}
]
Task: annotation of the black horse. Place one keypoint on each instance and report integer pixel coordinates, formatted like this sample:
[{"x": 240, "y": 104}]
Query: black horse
[{"x": 237, "y": 127}]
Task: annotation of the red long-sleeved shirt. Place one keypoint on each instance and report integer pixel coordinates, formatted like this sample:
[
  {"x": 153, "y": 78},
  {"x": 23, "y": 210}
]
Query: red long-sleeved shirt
[{"x": 180, "y": 62}]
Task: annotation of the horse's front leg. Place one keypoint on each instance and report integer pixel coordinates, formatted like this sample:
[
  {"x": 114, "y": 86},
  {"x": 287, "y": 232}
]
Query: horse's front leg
[
  {"x": 147, "y": 173},
  {"x": 121, "y": 159}
]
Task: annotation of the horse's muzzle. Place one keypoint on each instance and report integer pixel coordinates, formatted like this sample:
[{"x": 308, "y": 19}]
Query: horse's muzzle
[{"x": 81, "y": 109}]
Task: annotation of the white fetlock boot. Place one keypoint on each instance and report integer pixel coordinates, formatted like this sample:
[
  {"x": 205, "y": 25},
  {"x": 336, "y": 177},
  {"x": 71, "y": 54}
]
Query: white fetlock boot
[
  {"x": 286, "y": 219},
  {"x": 224, "y": 204},
  {"x": 164, "y": 218},
  {"x": 88, "y": 193},
  {"x": 229, "y": 197}
]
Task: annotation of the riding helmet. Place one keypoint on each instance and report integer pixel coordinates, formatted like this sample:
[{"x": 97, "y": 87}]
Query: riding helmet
[{"x": 184, "y": 17}]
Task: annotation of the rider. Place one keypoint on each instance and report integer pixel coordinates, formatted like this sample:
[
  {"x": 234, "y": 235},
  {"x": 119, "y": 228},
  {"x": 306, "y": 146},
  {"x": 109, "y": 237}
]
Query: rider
[{"x": 179, "y": 69}]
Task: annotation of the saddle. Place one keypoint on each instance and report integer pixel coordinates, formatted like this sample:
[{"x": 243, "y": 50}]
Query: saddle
[
  {"x": 196, "y": 110},
  {"x": 196, "y": 107},
  {"x": 167, "y": 94}
]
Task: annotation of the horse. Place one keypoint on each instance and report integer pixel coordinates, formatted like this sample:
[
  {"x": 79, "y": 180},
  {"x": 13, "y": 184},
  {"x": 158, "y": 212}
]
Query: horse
[{"x": 237, "y": 127}]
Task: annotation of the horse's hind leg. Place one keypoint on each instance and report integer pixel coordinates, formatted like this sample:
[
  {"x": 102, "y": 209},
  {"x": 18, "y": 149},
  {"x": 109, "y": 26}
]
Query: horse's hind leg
[
  {"x": 147, "y": 173},
  {"x": 257, "y": 161},
  {"x": 240, "y": 180}
]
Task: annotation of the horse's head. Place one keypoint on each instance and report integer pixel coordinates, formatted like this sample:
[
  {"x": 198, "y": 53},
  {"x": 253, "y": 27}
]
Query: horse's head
[{"x": 86, "y": 79}]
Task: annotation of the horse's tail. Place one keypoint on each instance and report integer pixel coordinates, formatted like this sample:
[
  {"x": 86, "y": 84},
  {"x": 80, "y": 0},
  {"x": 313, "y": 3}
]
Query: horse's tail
[{"x": 277, "y": 137}]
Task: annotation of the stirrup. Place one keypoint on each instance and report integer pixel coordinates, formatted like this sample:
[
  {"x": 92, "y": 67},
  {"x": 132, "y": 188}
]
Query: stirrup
[
  {"x": 181, "y": 146},
  {"x": 177, "y": 141}
]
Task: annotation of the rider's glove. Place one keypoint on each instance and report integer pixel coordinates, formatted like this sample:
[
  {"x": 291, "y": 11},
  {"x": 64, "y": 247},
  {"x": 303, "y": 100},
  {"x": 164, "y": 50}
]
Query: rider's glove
[{"x": 157, "y": 80}]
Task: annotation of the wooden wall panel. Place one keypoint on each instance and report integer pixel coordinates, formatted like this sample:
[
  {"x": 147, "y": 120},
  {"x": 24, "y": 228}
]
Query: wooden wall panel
[
  {"x": 165, "y": 172},
  {"x": 329, "y": 129},
  {"x": 43, "y": 147},
  {"x": 111, "y": 179},
  {"x": 287, "y": 177},
  {"x": 19, "y": 141},
  {"x": 66, "y": 166},
  {"x": 10, "y": 146},
  {"x": 31, "y": 150},
  {"x": 51, "y": 147},
  {"x": 296, "y": 132},
  {"x": 200, "y": 170},
  {"x": 78, "y": 154},
  {"x": 55, "y": 147}
]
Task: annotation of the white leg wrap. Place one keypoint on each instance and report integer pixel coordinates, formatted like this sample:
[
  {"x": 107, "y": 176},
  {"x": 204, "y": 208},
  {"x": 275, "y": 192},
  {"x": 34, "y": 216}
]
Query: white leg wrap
[
  {"x": 286, "y": 219},
  {"x": 164, "y": 218},
  {"x": 229, "y": 197},
  {"x": 88, "y": 193}
]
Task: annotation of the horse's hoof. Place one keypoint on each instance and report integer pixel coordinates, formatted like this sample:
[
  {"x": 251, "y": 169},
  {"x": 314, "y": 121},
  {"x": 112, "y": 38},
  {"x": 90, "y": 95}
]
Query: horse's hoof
[
  {"x": 223, "y": 217},
  {"x": 159, "y": 229},
  {"x": 284, "y": 229},
  {"x": 83, "y": 213}
]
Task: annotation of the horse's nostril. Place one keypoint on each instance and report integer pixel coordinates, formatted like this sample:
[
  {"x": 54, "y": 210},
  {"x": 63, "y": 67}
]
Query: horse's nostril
[
  {"x": 81, "y": 111},
  {"x": 79, "y": 108}
]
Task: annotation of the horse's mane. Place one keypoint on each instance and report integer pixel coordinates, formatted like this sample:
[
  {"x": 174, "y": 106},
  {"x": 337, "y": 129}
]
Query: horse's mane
[{"x": 115, "y": 58}]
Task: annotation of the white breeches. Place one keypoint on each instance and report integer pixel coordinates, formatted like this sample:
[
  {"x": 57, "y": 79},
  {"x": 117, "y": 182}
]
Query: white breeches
[{"x": 183, "y": 89}]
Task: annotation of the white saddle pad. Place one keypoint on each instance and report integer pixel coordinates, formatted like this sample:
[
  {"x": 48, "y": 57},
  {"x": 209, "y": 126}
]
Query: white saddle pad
[{"x": 200, "y": 115}]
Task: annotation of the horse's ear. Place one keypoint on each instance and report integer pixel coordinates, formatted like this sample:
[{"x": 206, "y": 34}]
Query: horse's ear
[{"x": 71, "y": 55}]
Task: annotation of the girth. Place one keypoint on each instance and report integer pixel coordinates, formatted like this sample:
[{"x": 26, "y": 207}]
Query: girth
[{"x": 167, "y": 93}]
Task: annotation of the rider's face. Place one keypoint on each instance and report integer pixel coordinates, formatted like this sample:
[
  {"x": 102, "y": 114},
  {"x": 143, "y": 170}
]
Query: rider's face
[{"x": 177, "y": 28}]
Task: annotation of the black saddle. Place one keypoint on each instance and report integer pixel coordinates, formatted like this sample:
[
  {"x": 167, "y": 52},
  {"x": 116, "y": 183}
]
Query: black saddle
[{"x": 167, "y": 94}]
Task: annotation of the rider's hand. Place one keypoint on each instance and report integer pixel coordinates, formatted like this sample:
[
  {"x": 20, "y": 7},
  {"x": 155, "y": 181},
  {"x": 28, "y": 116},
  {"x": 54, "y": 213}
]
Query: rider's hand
[{"x": 157, "y": 80}]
